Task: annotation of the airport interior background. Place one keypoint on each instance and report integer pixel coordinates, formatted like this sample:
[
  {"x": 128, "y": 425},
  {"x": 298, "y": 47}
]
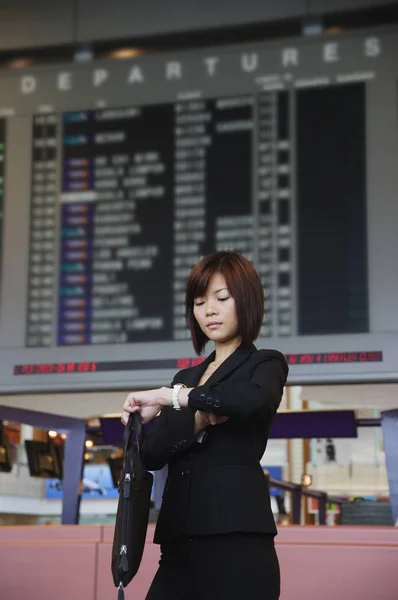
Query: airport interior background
[{"x": 137, "y": 136}]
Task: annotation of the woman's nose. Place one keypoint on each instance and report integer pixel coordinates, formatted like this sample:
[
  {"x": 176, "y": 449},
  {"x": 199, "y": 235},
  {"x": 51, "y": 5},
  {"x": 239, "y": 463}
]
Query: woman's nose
[{"x": 210, "y": 309}]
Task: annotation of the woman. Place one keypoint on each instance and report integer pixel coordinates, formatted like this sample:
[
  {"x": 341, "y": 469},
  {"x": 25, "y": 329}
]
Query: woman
[{"x": 215, "y": 526}]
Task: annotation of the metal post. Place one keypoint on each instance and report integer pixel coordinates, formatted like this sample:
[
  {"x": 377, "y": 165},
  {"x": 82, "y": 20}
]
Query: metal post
[
  {"x": 322, "y": 504},
  {"x": 296, "y": 506},
  {"x": 389, "y": 424},
  {"x": 73, "y": 468}
]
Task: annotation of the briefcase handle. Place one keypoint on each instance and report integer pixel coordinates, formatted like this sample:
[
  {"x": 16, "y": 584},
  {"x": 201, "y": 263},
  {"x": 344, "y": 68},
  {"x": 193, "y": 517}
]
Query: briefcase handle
[{"x": 135, "y": 424}]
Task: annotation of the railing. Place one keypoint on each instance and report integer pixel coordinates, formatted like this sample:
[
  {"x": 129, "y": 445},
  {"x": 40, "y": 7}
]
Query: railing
[{"x": 297, "y": 492}]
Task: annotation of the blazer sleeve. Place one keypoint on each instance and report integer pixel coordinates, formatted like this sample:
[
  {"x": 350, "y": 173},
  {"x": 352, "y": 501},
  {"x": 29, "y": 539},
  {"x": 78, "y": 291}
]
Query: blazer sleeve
[
  {"x": 261, "y": 392},
  {"x": 172, "y": 434}
]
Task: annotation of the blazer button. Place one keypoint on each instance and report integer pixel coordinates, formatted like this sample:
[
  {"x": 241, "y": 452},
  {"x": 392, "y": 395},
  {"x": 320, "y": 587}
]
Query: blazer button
[
  {"x": 202, "y": 397},
  {"x": 209, "y": 400},
  {"x": 216, "y": 403},
  {"x": 185, "y": 473}
]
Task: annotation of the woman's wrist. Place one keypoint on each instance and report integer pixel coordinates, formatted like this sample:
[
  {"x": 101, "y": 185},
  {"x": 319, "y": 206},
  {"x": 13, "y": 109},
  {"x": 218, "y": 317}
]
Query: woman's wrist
[{"x": 165, "y": 396}]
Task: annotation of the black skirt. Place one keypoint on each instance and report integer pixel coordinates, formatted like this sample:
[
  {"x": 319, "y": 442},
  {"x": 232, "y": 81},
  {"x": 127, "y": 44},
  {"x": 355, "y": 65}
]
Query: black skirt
[{"x": 231, "y": 566}]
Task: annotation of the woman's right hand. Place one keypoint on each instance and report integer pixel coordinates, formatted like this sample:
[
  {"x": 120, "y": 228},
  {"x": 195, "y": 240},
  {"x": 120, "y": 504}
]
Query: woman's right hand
[{"x": 203, "y": 420}]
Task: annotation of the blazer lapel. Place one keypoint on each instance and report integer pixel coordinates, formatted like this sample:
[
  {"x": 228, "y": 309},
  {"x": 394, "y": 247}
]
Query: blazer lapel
[
  {"x": 232, "y": 362},
  {"x": 191, "y": 377}
]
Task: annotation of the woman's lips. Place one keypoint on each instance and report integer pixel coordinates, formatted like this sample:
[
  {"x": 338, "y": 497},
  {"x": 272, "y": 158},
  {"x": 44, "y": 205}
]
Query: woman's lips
[{"x": 213, "y": 325}]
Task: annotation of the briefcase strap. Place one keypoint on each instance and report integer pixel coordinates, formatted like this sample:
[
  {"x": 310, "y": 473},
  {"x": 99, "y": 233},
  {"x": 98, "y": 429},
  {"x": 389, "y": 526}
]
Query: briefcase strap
[{"x": 135, "y": 424}]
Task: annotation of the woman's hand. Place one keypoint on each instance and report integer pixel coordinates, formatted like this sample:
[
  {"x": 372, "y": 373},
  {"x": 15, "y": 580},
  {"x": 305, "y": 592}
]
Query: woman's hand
[
  {"x": 148, "y": 403},
  {"x": 203, "y": 420},
  {"x": 217, "y": 419}
]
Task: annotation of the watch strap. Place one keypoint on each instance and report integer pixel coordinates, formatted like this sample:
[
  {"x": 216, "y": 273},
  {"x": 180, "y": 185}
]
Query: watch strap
[{"x": 174, "y": 396}]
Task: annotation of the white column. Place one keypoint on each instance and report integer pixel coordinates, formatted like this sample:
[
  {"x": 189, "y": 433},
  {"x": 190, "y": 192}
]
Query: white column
[{"x": 296, "y": 445}]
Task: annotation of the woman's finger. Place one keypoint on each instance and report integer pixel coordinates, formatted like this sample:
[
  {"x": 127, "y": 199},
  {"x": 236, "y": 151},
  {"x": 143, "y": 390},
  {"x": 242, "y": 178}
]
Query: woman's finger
[
  {"x": 129, "y": 402},
  {"x": 127, "y": 411},
  {"x": 130, "y": 409},
  {"x": 125, "y": 417}
]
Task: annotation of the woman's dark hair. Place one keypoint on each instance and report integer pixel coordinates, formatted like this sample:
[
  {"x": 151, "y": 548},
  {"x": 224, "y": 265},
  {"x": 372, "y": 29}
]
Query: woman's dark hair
[{"x": 244, "y": 285}]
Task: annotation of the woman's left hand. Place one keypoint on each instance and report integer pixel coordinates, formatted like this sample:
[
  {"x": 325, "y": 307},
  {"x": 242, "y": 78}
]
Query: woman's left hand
[{"x": 148, "y": 403}]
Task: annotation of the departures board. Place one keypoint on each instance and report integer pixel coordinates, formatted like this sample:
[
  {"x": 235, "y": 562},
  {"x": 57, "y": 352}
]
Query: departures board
[{"x": 118, "y": 176}]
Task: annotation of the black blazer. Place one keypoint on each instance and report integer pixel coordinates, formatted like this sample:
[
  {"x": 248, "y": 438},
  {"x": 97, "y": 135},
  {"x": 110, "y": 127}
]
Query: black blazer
[{"x": 218, "y": 486}]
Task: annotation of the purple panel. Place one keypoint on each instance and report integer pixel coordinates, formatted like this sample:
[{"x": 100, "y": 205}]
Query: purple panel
[
  {"x": 314, "y": 424},
  {"x": 113, "y": 428},
  {"x": 302, "y": 425}
]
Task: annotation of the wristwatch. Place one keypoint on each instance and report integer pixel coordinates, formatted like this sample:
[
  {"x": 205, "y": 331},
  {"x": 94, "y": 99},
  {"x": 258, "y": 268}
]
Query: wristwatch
[{"x": 174, "y": 396}]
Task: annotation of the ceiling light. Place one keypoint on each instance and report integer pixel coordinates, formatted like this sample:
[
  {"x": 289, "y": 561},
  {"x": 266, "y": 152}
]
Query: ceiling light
[
  {"x": 126, "y": 53},
  {"x": 20, "y": 63}
]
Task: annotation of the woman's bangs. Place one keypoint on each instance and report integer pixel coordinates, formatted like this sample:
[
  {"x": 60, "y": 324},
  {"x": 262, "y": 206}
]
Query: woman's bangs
[{"x": 200, "y": 281}]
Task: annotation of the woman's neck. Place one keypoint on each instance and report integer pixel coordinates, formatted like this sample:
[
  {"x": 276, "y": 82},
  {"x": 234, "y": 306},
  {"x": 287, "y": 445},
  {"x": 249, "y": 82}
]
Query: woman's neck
[{"x": 225, "y": 349}]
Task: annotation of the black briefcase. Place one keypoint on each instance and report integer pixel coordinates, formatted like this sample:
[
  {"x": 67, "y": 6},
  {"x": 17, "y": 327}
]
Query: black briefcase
[{"x": 133, "y": 508}]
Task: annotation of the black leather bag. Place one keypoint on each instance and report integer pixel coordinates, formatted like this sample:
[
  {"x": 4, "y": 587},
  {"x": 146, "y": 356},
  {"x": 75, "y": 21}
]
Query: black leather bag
[{"x": 133, "y": 508}]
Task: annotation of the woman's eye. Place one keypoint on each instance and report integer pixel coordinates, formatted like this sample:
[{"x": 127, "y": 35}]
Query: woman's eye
[
  {"x": 224, "y": 299},
  {"x": 199, "y": 303}
]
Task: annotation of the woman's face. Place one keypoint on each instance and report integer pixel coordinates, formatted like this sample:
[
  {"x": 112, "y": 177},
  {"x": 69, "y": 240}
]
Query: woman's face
[{"x": 215, "y": 312}]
